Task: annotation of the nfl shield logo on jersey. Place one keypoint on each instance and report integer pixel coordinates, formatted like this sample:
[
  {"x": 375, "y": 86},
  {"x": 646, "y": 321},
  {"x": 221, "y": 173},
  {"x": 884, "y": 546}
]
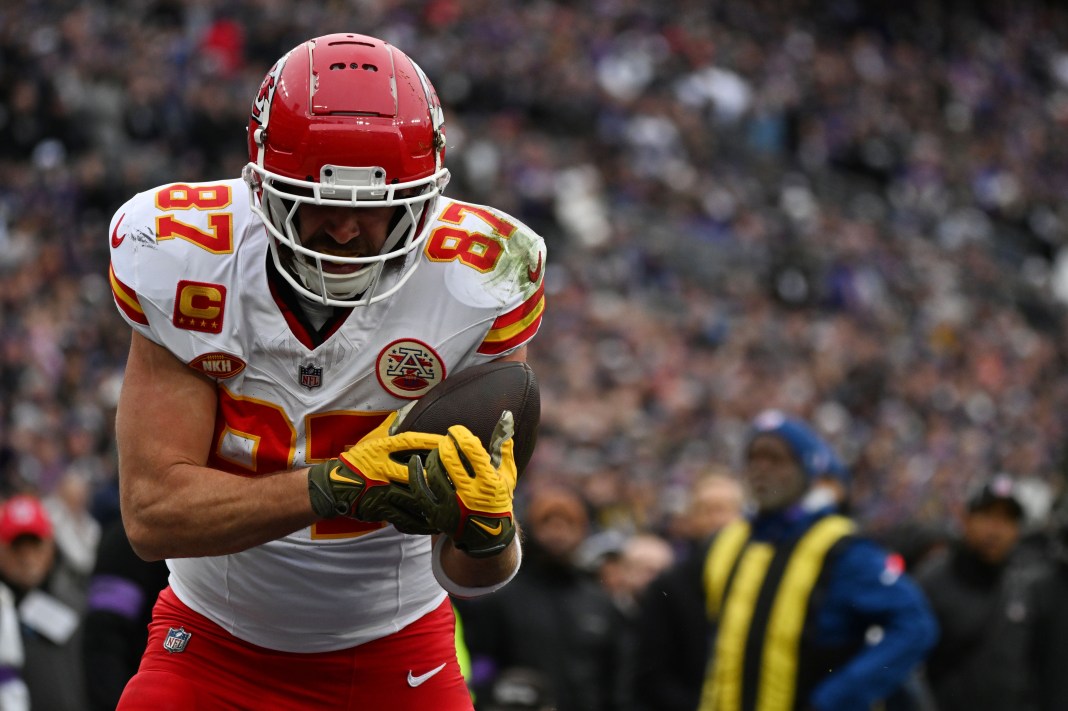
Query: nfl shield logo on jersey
[
  {"x": 311, "y": 376},
  {"x": 176, "y": 640}
]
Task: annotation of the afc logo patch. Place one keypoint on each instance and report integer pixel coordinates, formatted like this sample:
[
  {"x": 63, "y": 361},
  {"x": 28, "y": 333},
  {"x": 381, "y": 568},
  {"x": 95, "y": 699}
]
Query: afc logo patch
[
  {"x": 199, "y": 306},
  {"x": 176, "y": 640},
  {"x": 407, "y": 369}
]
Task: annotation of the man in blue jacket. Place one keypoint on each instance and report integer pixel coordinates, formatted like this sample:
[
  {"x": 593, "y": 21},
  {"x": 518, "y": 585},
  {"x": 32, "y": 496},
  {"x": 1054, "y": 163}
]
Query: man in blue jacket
[{"x": 806, "y": 615}]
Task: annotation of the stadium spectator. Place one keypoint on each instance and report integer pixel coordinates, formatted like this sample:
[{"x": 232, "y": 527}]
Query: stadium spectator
[
  {"x": 644, "y": 557},
  {"x": 625, "y": 564},
  {"x": 983, "y": 598},
  {"x": 76, "y": 531},
  {"x": 122, "y": 591},
  {"x": 1051, "y": 619},
  {"x": 672, "y": 626},
  {"x": 805, "y": 613},
  {"x": 819, "y": 214},
  {"x": 553, "y": 619},
  {"x": 49, "y": 596},
  {"x": 713, "y": 500}
]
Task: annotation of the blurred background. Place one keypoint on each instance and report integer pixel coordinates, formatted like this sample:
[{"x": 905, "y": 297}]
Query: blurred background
[{"x": 849, "y": 210}]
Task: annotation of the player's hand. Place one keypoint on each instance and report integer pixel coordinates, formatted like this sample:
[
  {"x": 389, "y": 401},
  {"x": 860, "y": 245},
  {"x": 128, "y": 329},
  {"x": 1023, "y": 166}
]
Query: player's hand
[
  {"x": 369, "y": 481},
  {"x": 466, "y": 492}
]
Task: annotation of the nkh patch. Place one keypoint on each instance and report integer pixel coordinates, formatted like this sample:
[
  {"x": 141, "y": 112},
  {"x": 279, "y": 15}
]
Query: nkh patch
[
  {"x": 176, "y": 640},
  {"x": 218, "y": 365},
  {"x": 311, "y": 376},
  {"x": 408, "y": 368}
]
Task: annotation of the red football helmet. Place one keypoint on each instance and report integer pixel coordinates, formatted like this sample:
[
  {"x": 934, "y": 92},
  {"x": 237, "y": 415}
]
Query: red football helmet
[{"x": 346, "y": 120}]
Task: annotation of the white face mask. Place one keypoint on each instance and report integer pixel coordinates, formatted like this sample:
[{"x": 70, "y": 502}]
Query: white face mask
[{"x": 303, "y": 268}]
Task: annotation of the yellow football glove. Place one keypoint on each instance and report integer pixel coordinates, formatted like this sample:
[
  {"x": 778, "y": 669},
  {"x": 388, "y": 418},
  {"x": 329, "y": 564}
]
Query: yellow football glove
[
  {"x": 466, "y": 492},
  {"x": 369, "y": 481}
]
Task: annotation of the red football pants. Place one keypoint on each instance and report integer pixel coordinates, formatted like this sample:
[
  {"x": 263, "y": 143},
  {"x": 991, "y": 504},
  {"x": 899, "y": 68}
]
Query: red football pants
[{"x": 216, "y": 670}]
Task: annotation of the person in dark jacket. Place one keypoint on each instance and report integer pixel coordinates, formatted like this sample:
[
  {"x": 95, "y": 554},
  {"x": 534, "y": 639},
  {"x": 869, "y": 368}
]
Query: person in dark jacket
[
  {"x": 50, "y": 597},
  {"x": 807, "y": 615},
  {"x": 672, "y": 629},
  {"x": 122, "y": 590},
  {"x": 981, "y": 595},
  {"x": 552, "y": 619},
  {"x": 1051, "y": 618}
]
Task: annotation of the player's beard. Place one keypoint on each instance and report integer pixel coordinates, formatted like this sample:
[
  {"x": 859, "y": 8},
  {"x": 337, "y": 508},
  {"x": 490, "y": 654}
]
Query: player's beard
[{"x": 376, "y": 273}]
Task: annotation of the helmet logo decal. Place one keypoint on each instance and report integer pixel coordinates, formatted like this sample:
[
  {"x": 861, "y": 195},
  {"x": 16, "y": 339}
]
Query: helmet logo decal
[
  {"x": 407, "y": 369},
  {"x": 261, "y": 105},
  {"x": 437, "y": 114}
]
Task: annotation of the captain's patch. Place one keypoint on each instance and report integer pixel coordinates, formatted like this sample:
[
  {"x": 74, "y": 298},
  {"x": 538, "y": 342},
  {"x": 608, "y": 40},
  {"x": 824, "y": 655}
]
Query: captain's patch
[{"x": 199, "y": 306}]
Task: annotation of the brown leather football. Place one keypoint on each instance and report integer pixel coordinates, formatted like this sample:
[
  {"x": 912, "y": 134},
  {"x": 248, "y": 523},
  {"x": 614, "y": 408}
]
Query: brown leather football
[{"x": 475, "y": 397}]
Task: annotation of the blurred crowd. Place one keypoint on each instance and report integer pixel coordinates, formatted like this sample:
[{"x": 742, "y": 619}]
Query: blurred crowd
[{"x": 848, "y": 210}]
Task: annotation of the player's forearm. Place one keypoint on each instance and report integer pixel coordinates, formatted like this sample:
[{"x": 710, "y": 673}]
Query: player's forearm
[
  {"x": 476, "y": 574},
  {"x": 188, "y": 510}
]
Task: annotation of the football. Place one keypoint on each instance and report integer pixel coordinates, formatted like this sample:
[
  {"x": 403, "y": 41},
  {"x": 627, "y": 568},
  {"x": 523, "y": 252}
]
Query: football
[{"x": 475, "y": 398}]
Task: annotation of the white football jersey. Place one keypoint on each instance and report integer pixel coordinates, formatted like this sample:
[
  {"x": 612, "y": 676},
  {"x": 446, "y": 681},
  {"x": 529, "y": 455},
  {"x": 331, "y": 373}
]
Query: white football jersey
[{"x": 189, "y": 271}]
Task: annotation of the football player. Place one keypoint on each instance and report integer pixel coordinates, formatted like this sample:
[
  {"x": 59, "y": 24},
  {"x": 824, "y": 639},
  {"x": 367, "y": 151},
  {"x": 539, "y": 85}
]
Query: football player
[{"x": 279, "y": 321}]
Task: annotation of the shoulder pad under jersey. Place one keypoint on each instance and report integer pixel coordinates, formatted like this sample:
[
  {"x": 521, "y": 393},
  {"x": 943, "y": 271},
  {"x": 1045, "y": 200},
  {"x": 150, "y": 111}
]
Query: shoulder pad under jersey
[
  {"x": 166, "y": 241},
  {"x": 490, "y": 260}
]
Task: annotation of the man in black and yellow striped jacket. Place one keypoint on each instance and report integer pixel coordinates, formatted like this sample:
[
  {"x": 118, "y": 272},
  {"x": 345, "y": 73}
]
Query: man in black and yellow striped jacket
[{"x": 807, "y": 616}]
